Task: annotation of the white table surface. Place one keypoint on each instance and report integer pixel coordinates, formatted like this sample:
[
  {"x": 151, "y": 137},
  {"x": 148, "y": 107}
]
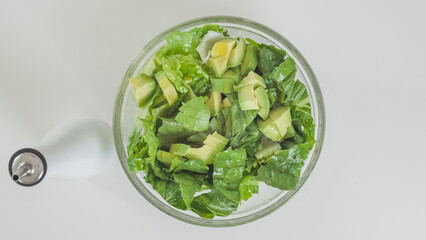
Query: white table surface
[{"x": 63, "y": 60}]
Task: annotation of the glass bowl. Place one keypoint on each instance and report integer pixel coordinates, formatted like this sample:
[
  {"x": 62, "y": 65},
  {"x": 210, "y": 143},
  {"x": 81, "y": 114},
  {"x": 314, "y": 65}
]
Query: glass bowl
[{"x": 268, "y": 199}]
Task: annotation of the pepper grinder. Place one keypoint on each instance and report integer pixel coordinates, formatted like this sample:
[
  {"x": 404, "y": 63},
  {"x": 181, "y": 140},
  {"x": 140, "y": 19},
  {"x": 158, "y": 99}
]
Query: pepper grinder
[{"x": 78, "y": 149}]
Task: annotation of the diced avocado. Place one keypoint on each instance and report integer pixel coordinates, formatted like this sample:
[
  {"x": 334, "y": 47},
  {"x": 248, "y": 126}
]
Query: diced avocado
[
  {"x": 206, "y": 44},
  {"x": 150, "y": 67},
  {"x": 217, "y": 141},
  {"x": 223, "y": 47},
  {"x": 237, "y": 54},
  {"x": 252, "y": 79},
  {"x": 222, "y": 85},
  {"x": 247, "y": 99},
  {"x": 268, "y": 150},
  {"x": 263, "y": 102},
  {"x": 226, "y": 103},
  {"x": 142, "y": 87},
  {"x": 269, "y": 129},
  {"x": 214, "y": 103},
  {"x": 249, "y": 62},
  {"x": 205, "y": 153},
  {"x": 226, "y": 83},
  {"x": 179, "y": 149},
  {"x": 169, "y": 90},
  {"x": 165, "y": 157},
  {"x": 290, "y": 132},
  {"x": 282, "y": 118},
  {"x": 218, "y": 61},
  {"x": 197, "y": 138},
  {"x": 213, "y": 144},
  {"x": 233, "y": 74}
]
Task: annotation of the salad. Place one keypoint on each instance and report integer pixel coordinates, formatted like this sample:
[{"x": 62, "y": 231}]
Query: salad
[{"x": 217, "y": 115}]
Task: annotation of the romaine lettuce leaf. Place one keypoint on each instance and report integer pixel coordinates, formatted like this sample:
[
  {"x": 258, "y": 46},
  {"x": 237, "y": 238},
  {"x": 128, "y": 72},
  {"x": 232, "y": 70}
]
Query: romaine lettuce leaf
[
  {"x": 228, "y": 171},
  {"x": 171, "y": 67},
  {"x": 186, "y": 42},
  {"x": 189, "y": 183},
  {"x": 171, "y": 132},
  {"x": 169, "y": 190},
  {"x": 195, "y": 165},
  {"x": 269, "y": 58},
  {"x": 282, "y": 170},
  {"x": 248, "y": 187},
  {"x": 194, "y": 115},
  {"x": 237, "y": 120},
  {"x": 215, "y": 202},
  {"x": 248, "y": 139}
]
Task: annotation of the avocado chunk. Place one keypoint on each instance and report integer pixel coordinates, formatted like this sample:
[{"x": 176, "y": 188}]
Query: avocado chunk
[
  {"x": 205, "y": 153},
  {"x": 237, "y": 54},
  {"x": 165, "y": 157},
  {"x": 213, "y": 144},
  {"x": 250, "y": 60},
  {"x": 149, "y": 68},
  {"x": 167, "y": 87},
  {"x": 290, "y": 132},
  {"x": 226, "y": 83},
  {"x": 226, "y": 103},
  {"x": 142, "y": 87},
  {"x": 263, "y": 102},
  {"x": 214, "y": 103},
  {"x": 252, "y": 79},
  {"x": 247, "y": 99},
  {"x": 216, "y": 141},
  {"x": 218, "y": 61},
  {"x": 269, "y": 129},
  {"x": 268, "y": 149},
  {"x": 179, "y": 149},
  {"x": 206, "y": 44},
  {"x": 282, "y": 118}
]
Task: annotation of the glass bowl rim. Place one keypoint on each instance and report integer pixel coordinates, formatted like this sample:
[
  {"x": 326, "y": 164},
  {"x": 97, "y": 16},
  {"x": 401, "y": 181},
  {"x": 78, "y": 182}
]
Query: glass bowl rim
[{"x": 171, "y": 211}]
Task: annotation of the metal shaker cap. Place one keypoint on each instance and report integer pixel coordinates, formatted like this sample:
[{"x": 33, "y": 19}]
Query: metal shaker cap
[{"x": 27, "y": 167}]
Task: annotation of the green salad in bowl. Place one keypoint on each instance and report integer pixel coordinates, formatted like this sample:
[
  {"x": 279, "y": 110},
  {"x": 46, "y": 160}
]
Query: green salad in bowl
[
  {"x": 216, "y": 115},
  {"x": 218, "y": 121}
]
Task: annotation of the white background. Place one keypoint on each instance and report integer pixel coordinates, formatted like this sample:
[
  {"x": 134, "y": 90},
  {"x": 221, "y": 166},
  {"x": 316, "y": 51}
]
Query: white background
[{"x": 64, "y": 60}]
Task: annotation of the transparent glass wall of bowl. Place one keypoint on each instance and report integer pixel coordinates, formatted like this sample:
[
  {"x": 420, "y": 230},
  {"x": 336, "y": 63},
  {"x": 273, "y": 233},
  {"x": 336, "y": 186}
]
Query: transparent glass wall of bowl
[{"x": 268, "y": 198}]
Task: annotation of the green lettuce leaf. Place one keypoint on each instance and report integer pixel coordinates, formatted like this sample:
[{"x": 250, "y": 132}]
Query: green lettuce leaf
[
  {"x": 171, "y": 67},
  {"x": 195, "y": 165},
  {"x": 282, "y": 170},
  {"x": 217, "y": 124},
  {"x": 237, "y": 120},
  {"x": 166, "y": 110},
  {"x": 269, "y": 58},
  {"x": 189, "y": 184},
  {"x": 213, "y": 203},
  {"x": 285, "y": 71},
  {"x": 228, "y": 171},
  {"x": 169, "y": 190},
  {"x": 248, "y": 187},
  {"x": 143, "y": 145},
  {"x": 176, "y": 163},
  {"x": 185, "y": 43},
  {"x": 172, "y": 132},
  {"x": 248, "y": 139},
  {"x": 194, "y": 115},
  {"x": 192, "y": 68},
  {"x": 200, "y": 209}
]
